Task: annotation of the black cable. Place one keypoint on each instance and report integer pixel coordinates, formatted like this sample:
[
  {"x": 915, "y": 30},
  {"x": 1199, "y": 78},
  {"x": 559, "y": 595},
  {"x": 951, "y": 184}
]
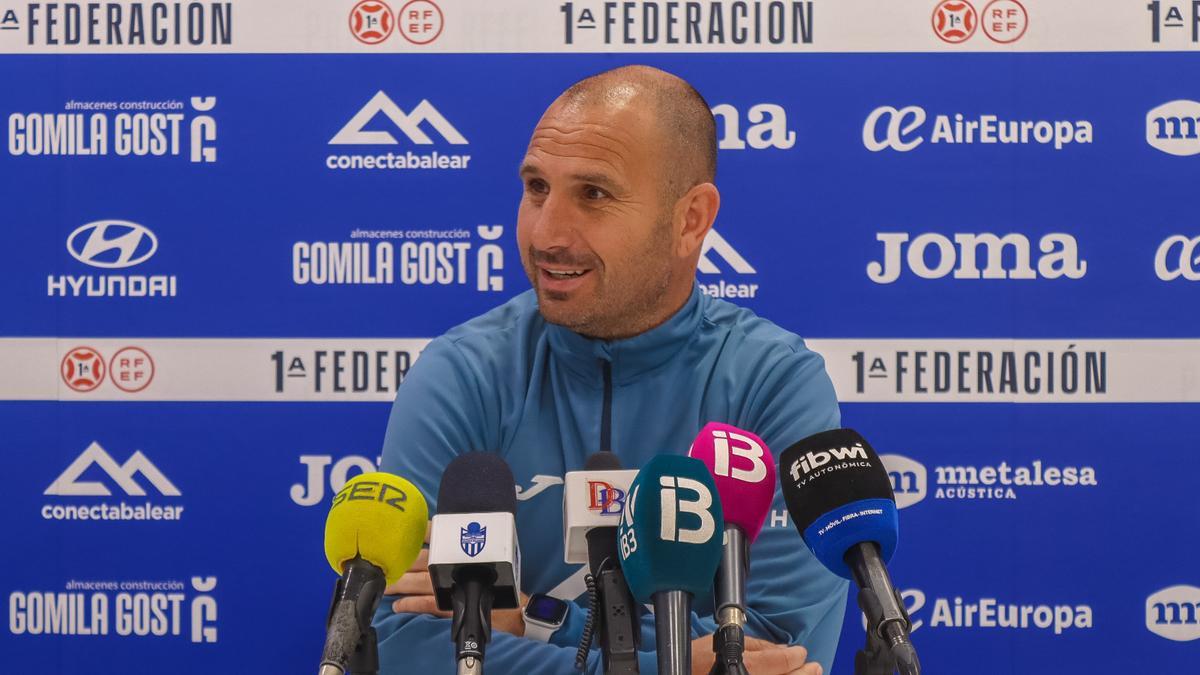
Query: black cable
[{"x": 589, "y": 628}]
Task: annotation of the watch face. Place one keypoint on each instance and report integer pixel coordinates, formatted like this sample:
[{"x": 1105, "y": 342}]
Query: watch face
[{"x": 546, "y": 609}]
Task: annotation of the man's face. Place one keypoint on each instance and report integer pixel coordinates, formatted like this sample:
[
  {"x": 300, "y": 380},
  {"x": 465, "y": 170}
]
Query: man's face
[{"x": 593, "y": 227}]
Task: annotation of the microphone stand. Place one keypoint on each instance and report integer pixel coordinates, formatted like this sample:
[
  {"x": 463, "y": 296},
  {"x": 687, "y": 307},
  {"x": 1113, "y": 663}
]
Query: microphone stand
[
  {"x": 729, "y": 641},
  {"x": 357, "y": 592},
  {"x": 672, "y": 611},
  {"x": 888, "y": 647}
]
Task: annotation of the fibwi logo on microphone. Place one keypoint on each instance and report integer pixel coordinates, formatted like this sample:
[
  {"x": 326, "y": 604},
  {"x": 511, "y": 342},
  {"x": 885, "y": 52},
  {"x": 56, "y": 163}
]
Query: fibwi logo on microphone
[
  {"x": 472, "y": 538},
  {"x": 811, "y": 461},
  {"x": 605, "y": 498}
]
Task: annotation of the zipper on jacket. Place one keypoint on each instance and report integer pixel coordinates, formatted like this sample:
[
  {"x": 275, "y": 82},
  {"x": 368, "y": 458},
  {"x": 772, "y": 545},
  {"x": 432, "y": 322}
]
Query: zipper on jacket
[{"x": 606, "y": 412}]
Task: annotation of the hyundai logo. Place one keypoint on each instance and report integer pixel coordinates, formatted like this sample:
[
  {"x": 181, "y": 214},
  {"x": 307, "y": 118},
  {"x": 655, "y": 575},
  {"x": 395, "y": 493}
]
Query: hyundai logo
[{"x": 112, "y": 244}]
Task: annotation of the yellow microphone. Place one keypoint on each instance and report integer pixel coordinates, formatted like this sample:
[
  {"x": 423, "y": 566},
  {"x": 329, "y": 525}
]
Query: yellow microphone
[{"x": 374, "y": 532}]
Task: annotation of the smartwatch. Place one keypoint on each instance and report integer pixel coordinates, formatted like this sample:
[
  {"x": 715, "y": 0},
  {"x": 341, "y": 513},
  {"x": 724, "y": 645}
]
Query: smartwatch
[{"x": 544, "y": 615}]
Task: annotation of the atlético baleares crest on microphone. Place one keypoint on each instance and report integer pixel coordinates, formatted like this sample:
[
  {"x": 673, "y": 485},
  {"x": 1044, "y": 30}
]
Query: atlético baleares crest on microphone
[{"x": 473, "y": 538}]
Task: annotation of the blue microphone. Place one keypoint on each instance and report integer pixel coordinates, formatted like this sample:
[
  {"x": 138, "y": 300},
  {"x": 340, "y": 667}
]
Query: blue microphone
[
  {"x": 840, "y": 498},
  {"x": 670, "y": 547}
]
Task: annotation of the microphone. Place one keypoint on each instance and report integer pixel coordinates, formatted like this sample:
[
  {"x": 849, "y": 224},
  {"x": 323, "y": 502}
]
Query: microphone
[
  {"x": 743, "y": 471},
  {"x": 373, "y": 533},
  {"x": 840, "y": 498},
  {"x": 474, "y": 558},
  {"x": 670, "y": 548},
  {"x": 593, "y": 500}
]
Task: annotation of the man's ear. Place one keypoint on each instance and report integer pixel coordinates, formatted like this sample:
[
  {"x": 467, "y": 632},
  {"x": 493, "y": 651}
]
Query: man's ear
[{"x": 694, "y": 216}]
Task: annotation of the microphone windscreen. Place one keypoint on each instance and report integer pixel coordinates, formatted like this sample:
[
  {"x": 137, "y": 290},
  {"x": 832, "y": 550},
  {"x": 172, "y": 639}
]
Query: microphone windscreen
[
  {"x": 743, "y": 471},
  {"x": 838, "y": 494},
  {"x": 477, "y": 482},
  {"x": 602, "y": 461},
  {"x": 670, "y": 534},
  {"x": 379, "y": 516}
]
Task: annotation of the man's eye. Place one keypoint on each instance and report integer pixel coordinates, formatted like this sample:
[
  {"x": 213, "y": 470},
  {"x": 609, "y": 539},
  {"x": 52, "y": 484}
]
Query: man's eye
[
  {"x": 593, "y": 192},
  {"x": 536, "y": 186}
]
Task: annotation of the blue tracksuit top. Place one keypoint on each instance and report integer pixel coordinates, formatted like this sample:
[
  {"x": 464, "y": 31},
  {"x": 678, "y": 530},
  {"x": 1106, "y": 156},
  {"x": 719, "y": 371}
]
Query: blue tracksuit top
[{"x": 509, "y": 382}]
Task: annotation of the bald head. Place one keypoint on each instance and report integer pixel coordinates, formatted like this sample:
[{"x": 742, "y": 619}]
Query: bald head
[
  {"x": 681, "y": 121},
  {"x": 618, "y": 198}
]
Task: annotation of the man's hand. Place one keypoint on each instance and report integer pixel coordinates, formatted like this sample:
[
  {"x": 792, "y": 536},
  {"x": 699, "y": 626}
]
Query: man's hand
[
  {"x": 761, "y": 658},
  {"x": 417, "y": 588}
]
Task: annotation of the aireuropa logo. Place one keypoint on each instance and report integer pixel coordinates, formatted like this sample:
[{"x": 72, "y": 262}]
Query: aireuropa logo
[
  {"x": 909, "y": 479},
  {"x": 988, "y": 613},
  {"x": 899, "y": 129},
  {"x": 1174, "y": 128},
  {"x": 1174, "y": 613},
  {"x": 112, "y": 245},
  {"x": 725, "y": 252},
  {"x": 123, "y": 476},
  {"x": 410, "y": 125},
  {"x": 1170, "y": 264}
]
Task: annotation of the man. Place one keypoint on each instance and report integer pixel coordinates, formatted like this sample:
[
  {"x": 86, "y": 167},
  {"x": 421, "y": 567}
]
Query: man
[{"x": 614, "y": 348}]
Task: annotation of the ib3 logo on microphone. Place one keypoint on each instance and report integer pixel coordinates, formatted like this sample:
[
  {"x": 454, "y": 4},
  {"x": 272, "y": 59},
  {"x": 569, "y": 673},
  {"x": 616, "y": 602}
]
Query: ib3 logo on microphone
[{"x": 472, "y": 538}]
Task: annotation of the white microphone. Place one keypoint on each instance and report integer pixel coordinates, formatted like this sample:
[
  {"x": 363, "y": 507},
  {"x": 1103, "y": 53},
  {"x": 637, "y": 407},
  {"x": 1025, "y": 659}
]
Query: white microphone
[
  {"x": 591, "y": 499},
  {"x": 474, "y": 557}
]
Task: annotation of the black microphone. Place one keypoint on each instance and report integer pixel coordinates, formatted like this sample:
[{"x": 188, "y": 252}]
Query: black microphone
[
  {"x": 613, "y": 612},
  {"x": 840, "y": 498},
  {"x": 474, "y": 557}
]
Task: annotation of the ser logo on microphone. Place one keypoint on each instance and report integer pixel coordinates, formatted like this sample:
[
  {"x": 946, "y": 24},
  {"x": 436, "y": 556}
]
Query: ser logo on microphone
[
  {"x": 727, "y": 444},
  {"x": 605, "y": 498},
  {"x": 672, "y": 505}
]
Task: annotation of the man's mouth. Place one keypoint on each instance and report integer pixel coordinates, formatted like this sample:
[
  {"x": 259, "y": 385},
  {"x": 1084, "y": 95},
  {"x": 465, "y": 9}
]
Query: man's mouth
[{"x": 561, "y": 279}]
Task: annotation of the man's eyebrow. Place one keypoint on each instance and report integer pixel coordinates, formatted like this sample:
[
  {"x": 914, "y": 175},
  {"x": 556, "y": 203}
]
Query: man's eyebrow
[{"x": 595, "y": 178}]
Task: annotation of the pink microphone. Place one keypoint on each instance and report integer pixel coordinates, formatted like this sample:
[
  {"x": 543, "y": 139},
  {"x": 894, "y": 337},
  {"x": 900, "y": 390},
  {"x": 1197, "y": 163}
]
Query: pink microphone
[{"x": 744, "y": 472}]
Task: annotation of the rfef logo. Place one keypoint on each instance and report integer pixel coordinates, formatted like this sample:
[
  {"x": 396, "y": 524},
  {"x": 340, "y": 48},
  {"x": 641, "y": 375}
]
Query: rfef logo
[
  {"x": 83, "y": 369},
  {"x": 371, "y": 22},
  {"x": 472, "y": 538},
  {"x": 1174, "y": 613},
  {"x": 954, "y": 20},
  {"x": 1170, "y": 264},
  {"x": 1174, "y": 128},
  {"x": 605, "y": 498}
]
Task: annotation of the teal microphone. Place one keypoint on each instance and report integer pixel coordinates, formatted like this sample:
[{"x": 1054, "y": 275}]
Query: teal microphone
[{"x": 670, "y": 546}]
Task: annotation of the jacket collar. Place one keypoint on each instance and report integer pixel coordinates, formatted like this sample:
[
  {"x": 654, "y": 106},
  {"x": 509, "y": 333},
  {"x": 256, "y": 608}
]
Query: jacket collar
[{"x": 630, "y": 357}]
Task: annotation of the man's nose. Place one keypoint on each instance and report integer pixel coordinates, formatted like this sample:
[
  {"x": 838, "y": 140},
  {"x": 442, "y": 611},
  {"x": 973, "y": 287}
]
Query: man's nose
[{"x": 554, "y": 226}]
